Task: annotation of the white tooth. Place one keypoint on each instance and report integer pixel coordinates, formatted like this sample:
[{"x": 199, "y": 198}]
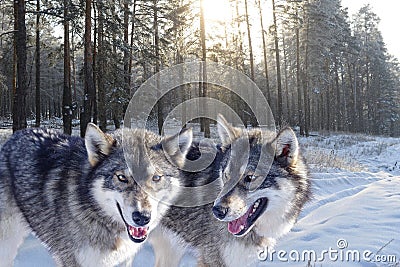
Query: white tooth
[{"x": 241, "y": 227}]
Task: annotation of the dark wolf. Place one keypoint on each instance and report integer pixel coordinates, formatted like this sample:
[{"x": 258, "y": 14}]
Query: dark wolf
[
  {"x": 80, "y": 197},
  {"x": 270, "y": 187}
]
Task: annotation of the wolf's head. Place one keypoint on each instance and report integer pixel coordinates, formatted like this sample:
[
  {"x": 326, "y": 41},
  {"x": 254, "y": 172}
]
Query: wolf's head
[
  {"x": 129, "y": 188},
  {"x": 272, "y": 183}
]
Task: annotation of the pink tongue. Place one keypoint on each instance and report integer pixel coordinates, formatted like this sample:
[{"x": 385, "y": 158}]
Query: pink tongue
[
  {"x": 234, "y": 227},
  {"x": 137, "y": 232}
]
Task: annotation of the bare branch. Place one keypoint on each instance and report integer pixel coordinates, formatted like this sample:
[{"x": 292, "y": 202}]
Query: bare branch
[
  {"x": 45, "y": 12},
  {"x": 7, "y": 32}
]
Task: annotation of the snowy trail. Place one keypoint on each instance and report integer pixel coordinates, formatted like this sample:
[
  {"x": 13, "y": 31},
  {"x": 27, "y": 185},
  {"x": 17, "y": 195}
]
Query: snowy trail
[
  {"x": 331, "y": 189},
  {"x": 367, "y": 219},
  {"x": 359, "y": 209}
]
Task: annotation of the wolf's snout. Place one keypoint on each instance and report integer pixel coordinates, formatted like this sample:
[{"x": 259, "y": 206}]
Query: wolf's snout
[
  {"x": 220, "y": 211},
  {"x": 141, "y": 218}
]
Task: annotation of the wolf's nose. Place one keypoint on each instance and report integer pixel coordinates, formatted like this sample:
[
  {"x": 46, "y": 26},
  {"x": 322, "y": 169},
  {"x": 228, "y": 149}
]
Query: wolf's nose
[
  {"x": 220, "y": 211},
  {"x": 141, "y": 218}
]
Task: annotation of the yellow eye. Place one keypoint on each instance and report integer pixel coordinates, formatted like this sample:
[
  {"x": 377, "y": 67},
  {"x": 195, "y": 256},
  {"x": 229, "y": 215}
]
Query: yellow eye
[
  {"x": 156, "y": 178},
  {"x": 122, "y": 178}
]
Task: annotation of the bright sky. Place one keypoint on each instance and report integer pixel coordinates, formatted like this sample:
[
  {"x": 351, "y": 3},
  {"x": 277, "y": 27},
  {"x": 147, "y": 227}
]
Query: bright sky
[{"x": 388, "y": 12}]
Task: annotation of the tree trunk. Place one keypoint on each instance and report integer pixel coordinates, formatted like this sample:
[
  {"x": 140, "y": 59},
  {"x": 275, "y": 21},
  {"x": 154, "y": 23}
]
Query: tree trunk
[
  {"x": 37, "y": 66},
  {"x": 344, "y": 95},
  {"x": 205, "y": 123},
  {"x": 89, "y": 89},
  {"x": 14, "y": 71},
  {"x": 73, "y": 74},
  {"x": 19, "y": 102},
  {"x": 101, "y": 68},
  {"x": 354, "y": 97},
  {"x": 203, "y": 45},
  {"x": 285, "y": 60},
  {"x": 278, "y": 67},
  {"x": 131, "y": 44},
  {"x": 339, "y": 109},
  {"x": 116, "y": 108},
  {"x": 67, "y": 96},
  {"x": 253, "y": 119},
  {"x": 126, "y": 50},
  {"x": 267, "y": 88},
  {"x": 367, "y": 100},
  {"x": 249, "y": 39},
  {"x": 327, "y": 118},
  {"x": 299, "y": 100},
  {"x": 95, "y": 68},
  {"x": 160, "y": 118},
  {"x": 305, "y": 87},
  {"x": 239, "y": 64}
]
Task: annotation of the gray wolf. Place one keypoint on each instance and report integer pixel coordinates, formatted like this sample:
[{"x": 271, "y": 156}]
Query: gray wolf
[
  {"x": 80, "y": 197},
  {"x": 271, "y": 185}
]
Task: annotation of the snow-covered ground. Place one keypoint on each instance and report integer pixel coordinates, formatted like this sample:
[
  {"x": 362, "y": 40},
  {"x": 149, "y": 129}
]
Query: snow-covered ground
[{"x": 353, "y": 220}]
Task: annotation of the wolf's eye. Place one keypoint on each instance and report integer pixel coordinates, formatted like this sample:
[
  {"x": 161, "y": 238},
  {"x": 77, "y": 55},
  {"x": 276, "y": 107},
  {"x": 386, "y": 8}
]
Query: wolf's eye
[
  {"x": 156, "y": 178},
  {"x": 249, "y": 178},
  {"x": 122, "y": 178}
]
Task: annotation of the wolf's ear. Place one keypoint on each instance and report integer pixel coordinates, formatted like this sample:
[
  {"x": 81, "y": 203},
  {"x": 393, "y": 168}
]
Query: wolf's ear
[
  {"x": 227, "y": 133},
  {"x": 287, "y": 147},
  {"x": 178, "y": 145},
  {"x": 98, "y": 144}
]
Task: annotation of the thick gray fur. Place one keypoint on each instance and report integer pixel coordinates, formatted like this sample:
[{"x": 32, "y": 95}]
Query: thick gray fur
[
  {"x": 79, "y": 195},
  {"x": 286, "y": 185}
]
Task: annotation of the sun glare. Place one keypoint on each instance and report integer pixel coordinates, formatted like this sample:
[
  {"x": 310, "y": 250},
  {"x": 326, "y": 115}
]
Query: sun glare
[{"x": 217, "y": 10}]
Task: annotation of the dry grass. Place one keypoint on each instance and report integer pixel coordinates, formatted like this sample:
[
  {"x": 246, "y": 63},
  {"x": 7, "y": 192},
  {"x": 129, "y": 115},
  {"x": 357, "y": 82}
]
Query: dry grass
[
  {"x": 320, "y": 160},
  {"x": 343, "y": 151},
  {"x": 323, "y": 153}
]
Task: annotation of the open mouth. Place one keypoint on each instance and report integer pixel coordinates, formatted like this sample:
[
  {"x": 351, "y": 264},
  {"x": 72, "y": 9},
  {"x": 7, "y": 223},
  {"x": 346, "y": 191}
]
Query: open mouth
[
  {"x": 136, "y": 234},
  {"x": 243, "y": 224}
]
